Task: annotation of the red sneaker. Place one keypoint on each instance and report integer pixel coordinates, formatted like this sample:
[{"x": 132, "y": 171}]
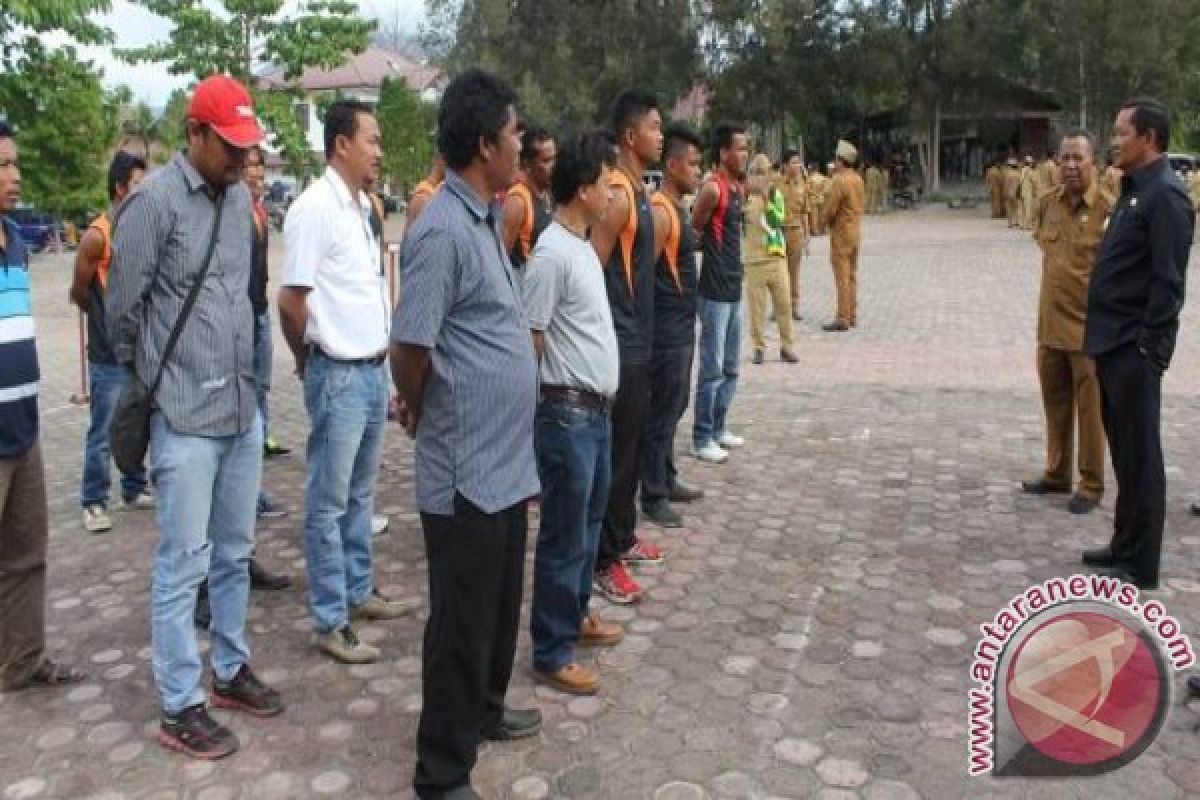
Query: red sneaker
[
  {"x": 642, "y": 552},
  {"x": 616, "y": 585}
]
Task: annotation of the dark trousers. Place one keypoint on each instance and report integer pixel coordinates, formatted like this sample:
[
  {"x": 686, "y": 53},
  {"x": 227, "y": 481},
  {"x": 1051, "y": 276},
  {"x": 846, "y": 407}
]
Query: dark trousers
[
  {"x": 1131, "y": 391},
  {"x": 476, "y": 566},
  {"x": 670, "y": 382},
  {"x": 630, "y": 408},
  {"x": 24, "y": 528},
  {"x": 573, "y": 452}
]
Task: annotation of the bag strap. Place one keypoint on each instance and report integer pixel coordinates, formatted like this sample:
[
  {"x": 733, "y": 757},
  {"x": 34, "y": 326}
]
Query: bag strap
[{"x": 193, "y": 293}]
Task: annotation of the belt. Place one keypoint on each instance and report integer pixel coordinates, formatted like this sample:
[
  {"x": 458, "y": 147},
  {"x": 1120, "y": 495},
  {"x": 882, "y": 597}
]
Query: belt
[
  {"x": 577, "y": 397},
  {"x": 369, "y": 361}
]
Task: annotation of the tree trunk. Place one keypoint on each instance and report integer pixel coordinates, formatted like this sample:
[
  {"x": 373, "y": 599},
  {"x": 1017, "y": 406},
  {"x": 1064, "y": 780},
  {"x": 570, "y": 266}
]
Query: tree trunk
[{"x": 933, "y": 178}]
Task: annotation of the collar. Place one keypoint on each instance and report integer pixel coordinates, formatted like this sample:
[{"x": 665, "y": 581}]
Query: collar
[
  {"x": 1143, "y": 175},
  {"x": 463, "y": 191},
  {"x": 1089, "y": 196},
  {"x": 194, "y": 180},
  {"x": 342, "y": 191}
]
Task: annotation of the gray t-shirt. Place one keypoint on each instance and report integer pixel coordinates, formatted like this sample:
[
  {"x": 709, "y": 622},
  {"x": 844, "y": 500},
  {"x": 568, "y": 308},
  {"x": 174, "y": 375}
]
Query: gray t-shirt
[{"x": 566, "y": 299}]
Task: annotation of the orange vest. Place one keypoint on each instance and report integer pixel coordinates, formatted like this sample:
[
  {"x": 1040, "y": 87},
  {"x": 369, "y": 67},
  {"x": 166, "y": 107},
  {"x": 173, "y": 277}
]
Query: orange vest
[
  {"x": 525, "y": 235},
  {"x": 671, "y": 249},
  {"x": 629, "y": 231},
  {"x": 103, "y": 225}
]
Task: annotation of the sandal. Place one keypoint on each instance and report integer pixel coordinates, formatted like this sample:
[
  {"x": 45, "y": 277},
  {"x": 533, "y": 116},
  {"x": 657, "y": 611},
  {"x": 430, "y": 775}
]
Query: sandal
[{"x": 55, "y": 673}]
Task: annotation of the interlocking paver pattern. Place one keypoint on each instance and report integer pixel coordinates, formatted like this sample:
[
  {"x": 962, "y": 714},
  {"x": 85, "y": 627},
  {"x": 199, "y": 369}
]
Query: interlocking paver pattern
[{"x": 808, "y": 636}]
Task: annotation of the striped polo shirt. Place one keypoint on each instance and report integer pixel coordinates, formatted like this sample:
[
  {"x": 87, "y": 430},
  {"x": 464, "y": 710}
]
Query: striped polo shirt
[{"x": 19, "y": 372}]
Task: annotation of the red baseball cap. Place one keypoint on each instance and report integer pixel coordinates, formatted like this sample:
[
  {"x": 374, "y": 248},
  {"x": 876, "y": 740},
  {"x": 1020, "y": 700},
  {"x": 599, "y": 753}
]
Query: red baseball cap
[{"x": 224, "y": 105}]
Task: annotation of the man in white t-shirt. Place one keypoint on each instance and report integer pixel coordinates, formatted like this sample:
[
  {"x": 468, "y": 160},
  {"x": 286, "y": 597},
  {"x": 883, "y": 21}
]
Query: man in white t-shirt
[
  {"x": 334, "y": 308},
  {"x": 566, "y": 302}
]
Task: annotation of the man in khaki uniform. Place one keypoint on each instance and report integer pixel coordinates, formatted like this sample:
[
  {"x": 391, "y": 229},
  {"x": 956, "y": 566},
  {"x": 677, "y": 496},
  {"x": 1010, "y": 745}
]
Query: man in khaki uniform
[
  {"x": 1027, "y": 193},
  {"x": 817, "y": 183},
  {"x": 1047, "y": 174},
  {"x": 1193, "y": 184},
  {"x": 994, "y": 176},
  {"x": 876, "y": 185},
  {"x": 795, "y": 226},
  {"x": 1012, "y": 192},
  {"x": 842, "y": 214},
  {"x": 1070, "y": 225},
  {"x": 764, "y": 259}
]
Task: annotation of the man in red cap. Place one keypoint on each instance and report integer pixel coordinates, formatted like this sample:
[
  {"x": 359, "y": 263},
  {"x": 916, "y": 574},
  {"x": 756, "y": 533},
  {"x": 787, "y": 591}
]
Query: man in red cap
[{"x": 191, "y": 224}]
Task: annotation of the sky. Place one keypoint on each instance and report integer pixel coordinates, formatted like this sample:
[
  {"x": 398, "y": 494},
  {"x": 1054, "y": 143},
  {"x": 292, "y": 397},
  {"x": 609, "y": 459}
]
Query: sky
[{"x": 134, "y": 26}]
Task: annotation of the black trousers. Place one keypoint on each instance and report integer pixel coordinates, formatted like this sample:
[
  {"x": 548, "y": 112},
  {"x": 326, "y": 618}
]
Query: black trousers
[
  {"x": 629, "y": 411},
  {"x": 476, "y": 567},
  {"x": 670, "y": 381},
  {"x": 1131, "y": 393}
]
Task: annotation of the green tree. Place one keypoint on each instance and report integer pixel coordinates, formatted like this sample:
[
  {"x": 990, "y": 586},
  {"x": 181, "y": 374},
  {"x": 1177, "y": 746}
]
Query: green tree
[
  {"x": 66, "y": 126},
  {"x": 249, "y": 37},
  {"x": 169, "y": 126},
  {"x": 23, "y": 23},
  {"x": 407, "y": 124}
]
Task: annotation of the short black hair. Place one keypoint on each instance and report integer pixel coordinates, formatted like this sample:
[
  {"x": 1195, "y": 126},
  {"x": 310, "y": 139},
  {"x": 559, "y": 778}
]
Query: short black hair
[
  {"x": 629, "y": 109},
  {"x": 258, "y": 151},
  {"x": 341, "y": 119},
  {"x": 121, "y": 170},
  {"x": 1151, "y": 115},
  {"x": 788, "y": 155},
  {"x": 476, "y": 105},
  {"x": 1079, "y": 133},
  {"x": 677, "y": 138},
  {"x": 580, "y": 162},
  {"x": 531, "y": 138},
  {"x": 722, "y": 138},
  {"x": 6, "y": 131}
]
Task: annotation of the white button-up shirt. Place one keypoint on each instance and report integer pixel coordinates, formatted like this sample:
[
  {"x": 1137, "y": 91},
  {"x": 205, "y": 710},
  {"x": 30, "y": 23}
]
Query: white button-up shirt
[{"x": 329, "y": 248}]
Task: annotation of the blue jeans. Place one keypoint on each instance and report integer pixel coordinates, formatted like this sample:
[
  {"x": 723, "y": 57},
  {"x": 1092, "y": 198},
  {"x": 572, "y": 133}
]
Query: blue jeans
[
  {"x": 347, "y": 407},
  {"x": 206, "y": 489},
  {"x": 716, "y": 379},
  {"x": 573, "y": 453},
  {"x": 105, "y": 382}
]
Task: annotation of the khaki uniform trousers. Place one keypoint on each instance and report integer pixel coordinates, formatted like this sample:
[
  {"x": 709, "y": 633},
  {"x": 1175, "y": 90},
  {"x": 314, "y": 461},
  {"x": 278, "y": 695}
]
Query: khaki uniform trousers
[
  {"x": 23, "y": 531},
  {"x": 844, "y": 255},
  {"x": 1013, "y": 208},
  {"x": 794, "y": 239},
  {"x": 1068, "y": 394},
  {"x": 770, "y": 278}
]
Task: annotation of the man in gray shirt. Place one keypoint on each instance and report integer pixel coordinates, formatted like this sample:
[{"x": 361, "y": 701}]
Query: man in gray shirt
[
  {"x": 464, "y": 364},
  {"x": 566, "y": 300},
  {"x": 206, "y": 437}
]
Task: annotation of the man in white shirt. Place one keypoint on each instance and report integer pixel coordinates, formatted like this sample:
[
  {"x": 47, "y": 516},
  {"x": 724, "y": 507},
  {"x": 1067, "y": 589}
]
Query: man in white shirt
[
  {"x": 566, "y": 300},
  {"x": 335, "y": 314}
]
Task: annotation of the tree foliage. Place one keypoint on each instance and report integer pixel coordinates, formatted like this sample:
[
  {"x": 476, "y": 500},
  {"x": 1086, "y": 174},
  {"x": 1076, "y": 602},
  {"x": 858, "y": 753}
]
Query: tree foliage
[
  {"x": 246, "y": 38},
  {"x": 407, "y": 123},
  {"x": 24, "y": 22}
]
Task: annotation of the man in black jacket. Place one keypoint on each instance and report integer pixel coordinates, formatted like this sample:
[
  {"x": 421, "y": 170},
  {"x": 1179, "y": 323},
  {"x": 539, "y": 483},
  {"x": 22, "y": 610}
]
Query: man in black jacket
[{"x": 1134, "y": 300}]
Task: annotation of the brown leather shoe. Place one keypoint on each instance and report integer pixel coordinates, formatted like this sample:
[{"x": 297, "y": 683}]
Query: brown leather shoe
[
  {"x": 595, "y": 632},
  {"x": 572, "y": 679}
]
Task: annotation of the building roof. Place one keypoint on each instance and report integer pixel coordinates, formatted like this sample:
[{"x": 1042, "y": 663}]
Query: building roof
[{"x": 365, "y": 70}]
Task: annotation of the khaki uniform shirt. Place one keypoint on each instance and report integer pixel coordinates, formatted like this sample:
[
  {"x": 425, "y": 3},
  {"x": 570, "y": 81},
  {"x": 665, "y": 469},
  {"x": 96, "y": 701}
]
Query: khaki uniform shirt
[
  {"x": 1194, "y": 189},
  {"x": 1069, "y": 238},
  {"x": 843, "y": 209},
  {"x": 1047, "y": 175},
  {"x": 795, "y": 196},
  {"x": 1012, "y": 182}
]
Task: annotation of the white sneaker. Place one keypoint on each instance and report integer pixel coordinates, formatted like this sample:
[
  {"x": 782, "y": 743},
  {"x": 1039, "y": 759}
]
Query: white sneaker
[
  {"x": 379, "y": 524},
  {"x": 729, "y": 441},
  {"x": 711, "y": 452},
  {"x": 143, "y": 502},
  {"x": 96, "y": 519}
]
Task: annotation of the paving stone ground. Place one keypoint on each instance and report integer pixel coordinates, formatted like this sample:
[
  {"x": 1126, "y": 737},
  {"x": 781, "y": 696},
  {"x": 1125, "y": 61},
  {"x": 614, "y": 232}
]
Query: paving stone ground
[{"x": 808, "y": 636}]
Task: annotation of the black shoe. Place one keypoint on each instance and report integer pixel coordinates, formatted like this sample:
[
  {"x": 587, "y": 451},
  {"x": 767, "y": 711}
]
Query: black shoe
[
  {"x": 517, "y": 723},
  {"x": 797, "y": 317},
  {"x": 685, "y": 494},
  {"x": 1043, "y": 486},
  {"x": 195, "y": 733},
  {"x": 202, "y": 616},
  {"x": 261, "y": 578},
  {"x": 1122, "y": 574},
  {"x": 1082, "y": 504},
  {"x": 1193, "y": 685},
  {"x": 1100, "y": 557},
  {"x": 245, "y": 692},
  {"x": 1195, "y": 509},
  {"x": 272, "y": 448},
  {"x": 788, "y": 356},
  {"x": 663, "y": 515},
  {"x": 758, "y": 355},
  {"x": 835, "y": 327}
]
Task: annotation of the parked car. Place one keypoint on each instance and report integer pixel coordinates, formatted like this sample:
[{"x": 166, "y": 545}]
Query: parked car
[{"x": 37, "y": 228}]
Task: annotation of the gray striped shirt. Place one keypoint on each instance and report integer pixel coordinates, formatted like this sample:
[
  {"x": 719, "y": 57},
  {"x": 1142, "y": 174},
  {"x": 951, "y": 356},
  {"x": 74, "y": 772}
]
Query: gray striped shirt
[
  {"x": 460, "y": 301},
  {"x": 160, "y": 242}
]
